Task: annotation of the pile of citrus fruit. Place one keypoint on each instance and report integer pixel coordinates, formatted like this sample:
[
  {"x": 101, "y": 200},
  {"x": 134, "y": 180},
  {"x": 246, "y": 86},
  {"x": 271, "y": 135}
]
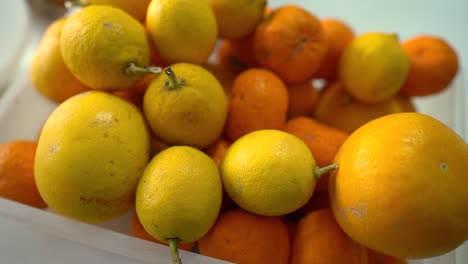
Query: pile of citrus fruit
[{"x": 245, "y": 132}]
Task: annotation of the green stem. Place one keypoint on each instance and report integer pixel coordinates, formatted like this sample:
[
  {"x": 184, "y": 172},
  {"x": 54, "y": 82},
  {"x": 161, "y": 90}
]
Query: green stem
[
  {"x": 173, "y": 82},
  {"x": 132, "y": 68},
  {"x": 323, "y": 170},
  {"x": 173, "y": 242}
]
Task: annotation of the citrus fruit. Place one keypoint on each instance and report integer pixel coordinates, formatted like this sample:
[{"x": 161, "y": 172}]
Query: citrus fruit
[
  {"x": 17, "y": 173},
  {"x": 100, "y": 43},
  {"x": 290, "y": 41},
  {"x": 402, "y": 176},
  {"x": 375, "y": 257},
  {"x": 179, "y": 196},
  {"x": 48, "y": 73},
  {"x": 186, "y": 106},
  {"x": 90, "y": 155},
  {"x": 136, "y": 9},
  {"x": 302, "y": 99},
  {"x": 269, "y": 172},
  {"x": 433, "y": 65},
  {"x": 319, "y": 239},
  {"x": 137, "y": 230},
  {"x": 237, "y": 18},
  {"x": 242, "y": 237},
  {"x": 258, "y": 100},
  {"x": 182, "y": 30},
  {"x": 373, "y": 67}
]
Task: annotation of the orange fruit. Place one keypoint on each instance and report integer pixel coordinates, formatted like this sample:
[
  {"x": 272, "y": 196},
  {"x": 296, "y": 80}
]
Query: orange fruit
[
  {"x": 217, "y": 150},
  {"x": 224, "y": 74},
  {"x": 380, "y": 258},
  {"x": 403, "y": 177},
  {"x": 319, "y": 239},
  {"x": 259, "y": 100},
  {"x": 319, "y": 200},
  {"x": 227, "y": 57},
  {"x": 291, "y": 42},
  {"x": 338, "y": 109},
  {"x": 246, "y": 238},
  {"x": 322, "y": 140},
  {"x": 338, "y": 34},
  {"x": 243, "y": 49},
  {"x": 433, "y": 65},
  {"x": 137, "y": 230},
  {"x": 17, "y": 173},
  {"x": 302, "y": 99}
]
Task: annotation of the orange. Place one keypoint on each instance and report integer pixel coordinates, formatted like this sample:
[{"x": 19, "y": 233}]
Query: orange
[
  {"x": 433, "y": 65},
  {"x": 224, "y": 74},
  {"x": 291, "y": 42},
  {"x": 338, "y": 35},
  {"x": 319, "y": 200},
  {"x": 17, "y": 173},
  {"x": 403, "y": 177},
  {"x": 243, "y": 49},
  {"x": 245, "y": 238},
  {"x": 217, "y": 150},
  {"x": 319, "y": 239},
  {"x": 137, "y": 230},
  {"x": 338, "y": 109},
  {"x": 259, "y": 100},
  {"x": 322, "y": 140},
  {"x": 302, "y": 98},
  {"x": 380, "y": 258},
  {"x": 227, "y": 56}
]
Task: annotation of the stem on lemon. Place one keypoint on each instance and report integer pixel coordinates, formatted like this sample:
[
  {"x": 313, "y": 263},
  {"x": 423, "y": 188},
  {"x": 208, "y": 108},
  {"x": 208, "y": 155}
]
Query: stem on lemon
[
  {"x": 132, "y": 68},
  {"x": 173, "y": 243},
  {"x": 173, "y": 82},
  {"x": 320, "y": 171}
]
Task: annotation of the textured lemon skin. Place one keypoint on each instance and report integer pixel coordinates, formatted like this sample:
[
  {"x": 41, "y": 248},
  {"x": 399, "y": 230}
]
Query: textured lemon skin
[
  {"x": 400, "y": 187},
  {"x": 182, "y": 30},
  {"x": 193, "y": 114},
  {"x": 179, "y": 195},
  {"x": 373, "y": 67},
  {"x": 97, "y": 44},
  {"x": 90, "y": 156},
  {"x": 269, "y": 172}
]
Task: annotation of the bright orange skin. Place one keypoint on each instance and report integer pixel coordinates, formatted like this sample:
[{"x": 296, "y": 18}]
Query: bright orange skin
[
  {"x": 291, "y": 42},
  {"x": 259, "y": 100},
  {"x": 433, "y": 65},
  {"x": 245, "y": 238},
  {"x": 338, "y": 35},
  {"x": 319, "y": 239},
  {"x": 17, "y": 173}
]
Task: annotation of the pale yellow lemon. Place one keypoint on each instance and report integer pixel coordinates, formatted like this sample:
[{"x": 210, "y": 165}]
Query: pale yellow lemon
[
  {"x": 91, "y": 153},
  {"x": 182, "y": 30},
  {"x": 99, "y": 42}
]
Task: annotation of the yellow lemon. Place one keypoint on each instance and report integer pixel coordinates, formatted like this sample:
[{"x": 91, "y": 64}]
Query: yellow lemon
[
  {"x": 100, "y": 42},
  {"x": 186, "y": 106},
  {"x": 49, "y": 74},
  {"x": 179, "y": 195},
  {"x": 136, "y": 9},
  {"x": 270, "y": 172},
  {"x": 237, "y": 18},
  {"x": 182, "y": 30},
  {"x": 91, "y": 153},
  {"x": 400, "y": 188},
  {"x": 373, "y": 67}
]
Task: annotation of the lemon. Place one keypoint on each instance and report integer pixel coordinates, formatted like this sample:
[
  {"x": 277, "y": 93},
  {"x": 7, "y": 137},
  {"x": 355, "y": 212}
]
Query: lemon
[
  {"x": 99, "y": 42},
  {"x": 179, "y": 195},
  {"x": 237, "y": 18},
  {"x": 186, "y": 107},
  {"x": 91, "y": 153},
  {"x": 48, "y": 73},
  {"x": 182, "y": 30},
  {"x": 373, "y": 67},
  {"x": 400, "y": 188},
  {"x": 270, "y": 172},
  {"x": 136, "y": 9}
]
